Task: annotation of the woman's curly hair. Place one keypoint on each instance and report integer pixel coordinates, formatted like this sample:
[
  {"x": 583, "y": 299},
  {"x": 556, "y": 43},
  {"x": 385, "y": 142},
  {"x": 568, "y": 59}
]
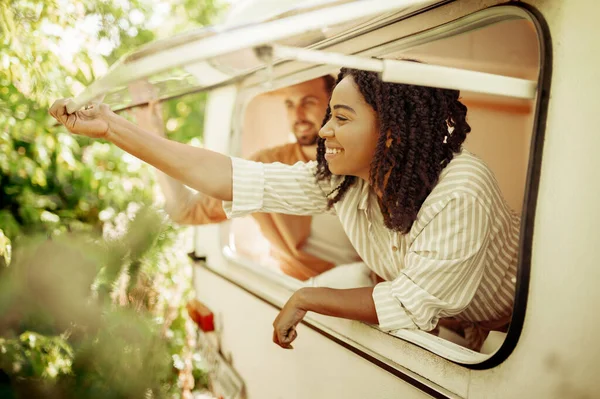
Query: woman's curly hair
[{"x": 420, "y": 129}]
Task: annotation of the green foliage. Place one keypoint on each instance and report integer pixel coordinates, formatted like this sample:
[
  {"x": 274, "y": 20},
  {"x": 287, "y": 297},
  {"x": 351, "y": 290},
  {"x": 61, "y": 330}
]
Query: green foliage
[
  {"x": 5, "y": 252},
  {"x": 184, "y": 117},
  {"x": 36, "y": 355},
  {"x": 50, "y": 180},
  {"x": 85, "y": 306},
  {"x": 90, "y": 347}
]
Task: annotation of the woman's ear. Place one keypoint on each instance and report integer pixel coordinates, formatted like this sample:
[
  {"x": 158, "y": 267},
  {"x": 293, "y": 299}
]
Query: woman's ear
[{"x": 389, "y": 140}]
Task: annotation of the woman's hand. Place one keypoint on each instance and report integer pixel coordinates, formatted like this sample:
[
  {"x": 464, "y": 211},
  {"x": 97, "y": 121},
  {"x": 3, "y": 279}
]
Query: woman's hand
[
  {"x": 284, "y": 326},
  {"x": 352, "y": 303},
  {"x": 91, "y": 121}
]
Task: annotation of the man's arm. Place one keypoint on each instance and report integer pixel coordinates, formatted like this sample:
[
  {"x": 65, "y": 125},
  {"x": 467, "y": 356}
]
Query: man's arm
[
  {"x": 187, "y": 207},
  {"x": 182, "y": 205}
]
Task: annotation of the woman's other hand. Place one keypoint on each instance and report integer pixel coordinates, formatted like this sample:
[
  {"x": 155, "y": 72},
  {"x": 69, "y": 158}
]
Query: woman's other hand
[
  {"x": 91, "y": 121},
  {"x": 284, "y": 326}
]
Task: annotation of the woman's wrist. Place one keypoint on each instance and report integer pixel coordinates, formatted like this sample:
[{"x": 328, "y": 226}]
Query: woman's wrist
[
  {"x": 302, "y": 297},
  {"x": 118, "y": 127},
  {"x": 114, "y": 122}
]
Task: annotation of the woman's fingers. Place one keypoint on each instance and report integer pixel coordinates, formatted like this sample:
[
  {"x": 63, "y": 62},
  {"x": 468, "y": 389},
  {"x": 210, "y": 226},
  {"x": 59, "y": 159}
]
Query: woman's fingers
[
  {"x": 290, "y": 337},
  {"x": 90, "y": 111},
  {"x": 58, "y": 109},
  {"x": 71, "y": 107},
  {"x": 90, "y": 121},
  {"x": 285, "y": 324},
  {"x": 284, "y": 337}
]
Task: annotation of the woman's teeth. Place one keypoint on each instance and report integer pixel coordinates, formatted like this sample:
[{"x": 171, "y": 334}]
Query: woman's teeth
[{"x": 333, "y": 150}]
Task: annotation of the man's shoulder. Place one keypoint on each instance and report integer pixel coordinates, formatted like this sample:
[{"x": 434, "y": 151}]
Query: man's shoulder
[{"x": 286, "y": 153}]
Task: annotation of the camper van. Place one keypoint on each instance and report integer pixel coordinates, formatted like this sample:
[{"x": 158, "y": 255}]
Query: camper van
[{"x": 528, "y": 73}]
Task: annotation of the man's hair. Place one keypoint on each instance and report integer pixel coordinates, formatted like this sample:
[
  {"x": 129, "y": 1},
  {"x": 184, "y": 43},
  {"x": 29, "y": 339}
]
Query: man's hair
[
  {"x": 420, "y": 129},
  {"x": 329, "y": 82},
  {"x": 328, "y": 85}
]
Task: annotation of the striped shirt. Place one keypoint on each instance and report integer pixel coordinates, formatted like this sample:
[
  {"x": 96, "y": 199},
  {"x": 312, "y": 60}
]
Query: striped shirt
[{"x": 459, "y": 258}]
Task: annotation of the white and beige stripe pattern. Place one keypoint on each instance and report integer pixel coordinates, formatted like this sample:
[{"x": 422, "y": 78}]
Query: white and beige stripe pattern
[{"x": 459, "y": 258}]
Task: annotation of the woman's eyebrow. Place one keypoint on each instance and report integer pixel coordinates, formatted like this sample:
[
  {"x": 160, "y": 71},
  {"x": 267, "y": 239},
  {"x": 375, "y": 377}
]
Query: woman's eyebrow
[{"x": 337, "y": 106}]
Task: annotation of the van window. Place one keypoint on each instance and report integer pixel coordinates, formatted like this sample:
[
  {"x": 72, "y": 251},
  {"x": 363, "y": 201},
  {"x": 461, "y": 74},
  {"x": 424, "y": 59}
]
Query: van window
[{"x": 501, "y": 135}]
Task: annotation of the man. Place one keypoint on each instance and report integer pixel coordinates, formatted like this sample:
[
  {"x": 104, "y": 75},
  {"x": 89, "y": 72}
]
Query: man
[{"x": 304, "y": 246}]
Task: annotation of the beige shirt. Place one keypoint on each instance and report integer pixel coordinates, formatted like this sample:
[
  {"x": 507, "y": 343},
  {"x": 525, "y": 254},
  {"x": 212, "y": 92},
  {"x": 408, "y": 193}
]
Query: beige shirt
[
  {"x": 458, "y": 259},
  {"x": 328, "y": 241}
]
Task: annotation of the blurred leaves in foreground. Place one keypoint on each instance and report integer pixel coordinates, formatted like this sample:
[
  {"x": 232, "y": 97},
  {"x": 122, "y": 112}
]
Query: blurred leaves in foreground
[
  {"x": 92, "y": 281},
  {"x": 72, "y": 325}
]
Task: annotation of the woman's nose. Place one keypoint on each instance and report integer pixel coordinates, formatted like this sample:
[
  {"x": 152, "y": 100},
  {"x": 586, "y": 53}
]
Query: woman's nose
[{"x": 326, "y": 131}]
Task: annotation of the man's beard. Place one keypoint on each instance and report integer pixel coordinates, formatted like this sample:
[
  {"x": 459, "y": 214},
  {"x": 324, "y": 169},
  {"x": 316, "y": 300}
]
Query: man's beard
[{"x": 307, "y": 140}]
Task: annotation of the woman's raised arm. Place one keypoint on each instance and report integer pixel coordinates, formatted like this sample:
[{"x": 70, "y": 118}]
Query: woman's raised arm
[{"x": 198, "y": 168}]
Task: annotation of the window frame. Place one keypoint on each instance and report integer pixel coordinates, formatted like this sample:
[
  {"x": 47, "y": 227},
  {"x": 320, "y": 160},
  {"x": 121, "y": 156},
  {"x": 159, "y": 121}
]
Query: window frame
[{"x": 483, "y": 17}]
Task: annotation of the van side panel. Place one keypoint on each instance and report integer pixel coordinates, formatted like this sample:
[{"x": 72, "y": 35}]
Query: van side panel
[
  {"x": 316, "y": 368},
  {"x": 558, "y": 351}
]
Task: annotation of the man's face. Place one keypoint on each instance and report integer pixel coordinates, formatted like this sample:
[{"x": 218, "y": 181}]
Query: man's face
[{"x": 306, "y": 104}]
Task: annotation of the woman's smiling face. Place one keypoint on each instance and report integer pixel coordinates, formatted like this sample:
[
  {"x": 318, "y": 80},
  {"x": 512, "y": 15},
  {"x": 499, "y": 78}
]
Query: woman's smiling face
[{"x": 351, "y": 133}]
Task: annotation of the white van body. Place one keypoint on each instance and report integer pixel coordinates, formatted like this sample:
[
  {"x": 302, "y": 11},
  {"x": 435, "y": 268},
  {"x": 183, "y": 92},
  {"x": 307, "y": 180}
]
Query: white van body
[{"x": 543, "y": 151}]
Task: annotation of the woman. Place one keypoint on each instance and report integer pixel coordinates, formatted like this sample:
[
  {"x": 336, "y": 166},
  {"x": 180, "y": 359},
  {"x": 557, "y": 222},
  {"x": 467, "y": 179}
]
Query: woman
[{"x": 422, "y": 213}]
